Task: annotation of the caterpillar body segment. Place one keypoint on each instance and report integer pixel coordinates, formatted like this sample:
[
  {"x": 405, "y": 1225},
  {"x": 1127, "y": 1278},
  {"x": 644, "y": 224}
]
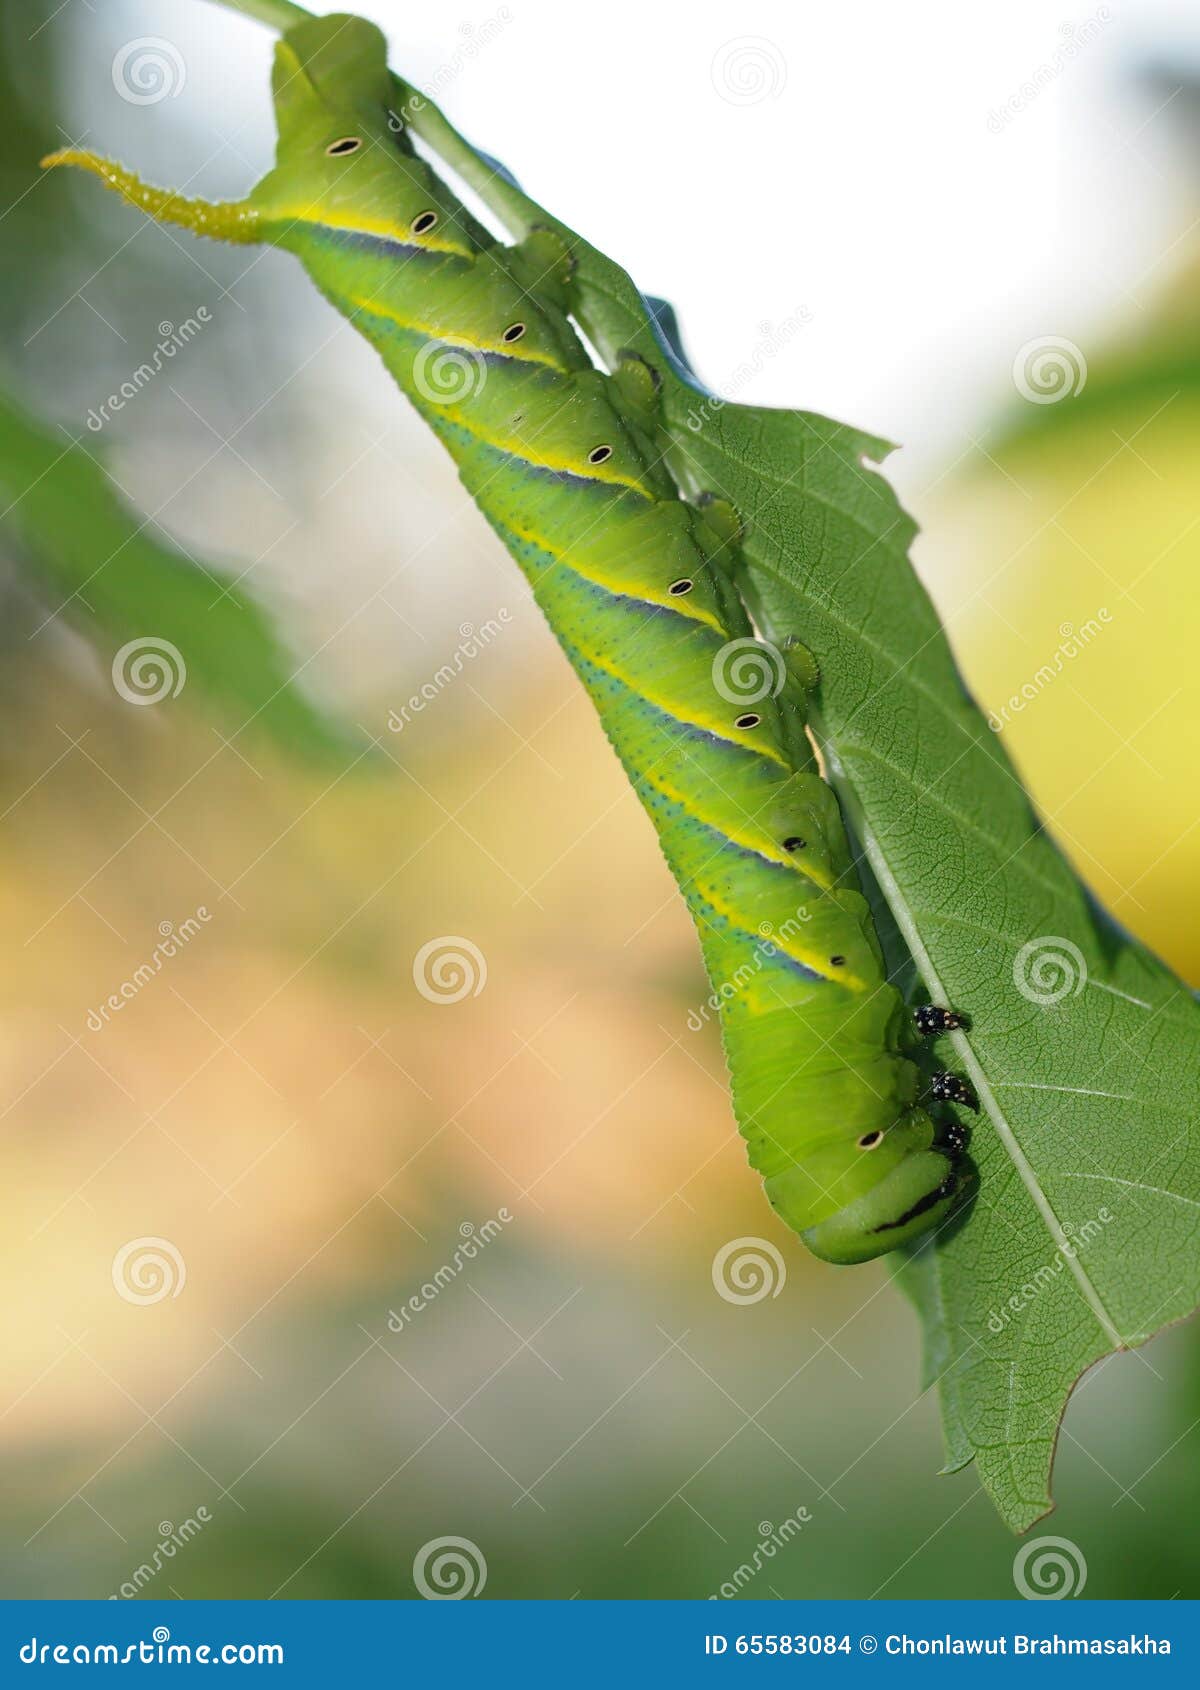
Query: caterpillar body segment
[{"x": 639, "y": 587}]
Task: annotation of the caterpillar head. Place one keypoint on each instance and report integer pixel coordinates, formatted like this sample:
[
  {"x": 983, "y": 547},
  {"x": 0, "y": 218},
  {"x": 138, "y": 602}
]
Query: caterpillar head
[
  {"x": 904, "y": 1181},
  {"x": 344, "y": 158},
  {"x": 921, "y": 1193}
]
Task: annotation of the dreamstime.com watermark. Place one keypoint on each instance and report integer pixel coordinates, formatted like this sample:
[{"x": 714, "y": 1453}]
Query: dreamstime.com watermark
[
  {"x": 747, "y": 70},
  {"x": 773, "y": 337},
  {"x": 449, "y": 968},
  {"x": 172, "y": 340},
  {"x": 1049, "y": 368},
  {"x": 147, "y": 70},
  {"x": 174, "y": 936},
  {"x": 475, "y": 37},
  {"x": 747, "y": 671},
  {"x": 772, "y": 939},
  {"x": 473, "y": 1240},
  {"x": 1075, "y": 37},
  {"x": 748, "y": 1270},
  {"x": 156, "y": 1650},
  {"x": 148, "y": 1270},
  {"x": 445, "y": 374},
  {"x": 771, "y": 1539},
  {"x": 1047, "y": 1569},
  {"x": 471, "y": 642},
  {"x": 148, "y": 669},
  {"x": 171, "y": 1539},
  {"x": 449, "y": 1569},
  {"x": 1075, "y": 1241},
  {"x": 1072, "y": 642},
  {"x": 1048, "y": 969}
]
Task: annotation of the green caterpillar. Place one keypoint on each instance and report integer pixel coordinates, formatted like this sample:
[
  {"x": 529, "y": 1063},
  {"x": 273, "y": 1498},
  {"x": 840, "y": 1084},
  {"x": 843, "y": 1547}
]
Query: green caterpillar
[{"x": 640, "y": 586}]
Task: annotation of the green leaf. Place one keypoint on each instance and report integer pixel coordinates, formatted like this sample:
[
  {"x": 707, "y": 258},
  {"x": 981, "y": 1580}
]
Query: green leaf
[
  {"x": 1082, "y": 1047},
  {"x": 95, "y": 562}
]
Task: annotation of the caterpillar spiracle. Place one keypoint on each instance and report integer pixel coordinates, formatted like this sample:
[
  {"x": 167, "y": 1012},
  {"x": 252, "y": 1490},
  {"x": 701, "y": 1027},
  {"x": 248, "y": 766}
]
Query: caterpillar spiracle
[{"x": 638, "y": 585}]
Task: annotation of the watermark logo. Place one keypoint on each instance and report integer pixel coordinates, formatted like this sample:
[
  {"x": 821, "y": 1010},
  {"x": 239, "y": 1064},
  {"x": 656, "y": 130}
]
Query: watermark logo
[
  {"x": 1073, "y": 641},
  {"x": 446, "y": 375},
  {"x": 1075, "y": 1240},
  {"x": 1075, "y": 37},
  {"x": 473, "y": 1241},
  {"x": 172, "y": 340},
  {"x": 746, "y": 671},
  {"x": 771, "y": 1539},
  {"x": 472, "y": 641},
  {"x": 475, "y": 39},
  {"x": 773, "y": 339},
  {"x": 148, "y": 1270},
  {"x": 449, "y": 969},
  {"x": 749, "y": 69},
  {"x": 147, "y": 70},
  {"x": 1048, "y": 969},
  {"x": 772, "y": 939},
  {"x": 171, "y": 1539},
  {"x": 747, "y": 1270},
  {"x": 156, "y": 1650},
  {"x": 1048, "y": 1569},
  {"x": 1048, "y": 369},
  {"x": 148, "y": 669},
  {"x": 173, "y": 936},
  {"x": 447, "y": 1569}
]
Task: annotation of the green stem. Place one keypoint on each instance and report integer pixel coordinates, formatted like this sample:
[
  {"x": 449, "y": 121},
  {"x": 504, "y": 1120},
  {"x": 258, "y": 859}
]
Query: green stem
[
  {"x": 276, "y": 14},
  {"x": 514, "y": 208}
]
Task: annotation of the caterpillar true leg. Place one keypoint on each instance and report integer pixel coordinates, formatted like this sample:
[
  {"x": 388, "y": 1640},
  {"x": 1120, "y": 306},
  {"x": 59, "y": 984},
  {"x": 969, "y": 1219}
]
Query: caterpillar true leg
[
  {"x": 932, "y": 1020},
  {"x": 951, "y": 1136},
  {"x": 948, "y": 1088}
]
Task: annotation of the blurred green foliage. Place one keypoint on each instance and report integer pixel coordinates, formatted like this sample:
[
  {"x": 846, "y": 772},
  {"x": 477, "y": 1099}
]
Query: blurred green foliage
[
  {"x": 66, "y": 536},
  {"x": 73, "y": 539}
]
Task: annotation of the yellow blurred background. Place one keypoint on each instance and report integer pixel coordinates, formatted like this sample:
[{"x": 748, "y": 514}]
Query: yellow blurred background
[{"x": 312, "y": 1136}]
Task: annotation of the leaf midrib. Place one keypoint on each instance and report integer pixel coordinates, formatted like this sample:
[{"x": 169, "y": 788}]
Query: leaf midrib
[{"x": 911, "y": 933}]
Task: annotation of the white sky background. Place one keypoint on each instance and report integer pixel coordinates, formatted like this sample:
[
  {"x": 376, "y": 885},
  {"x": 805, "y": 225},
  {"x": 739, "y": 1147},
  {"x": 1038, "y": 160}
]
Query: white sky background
[{"x": 865, "y": 186}]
